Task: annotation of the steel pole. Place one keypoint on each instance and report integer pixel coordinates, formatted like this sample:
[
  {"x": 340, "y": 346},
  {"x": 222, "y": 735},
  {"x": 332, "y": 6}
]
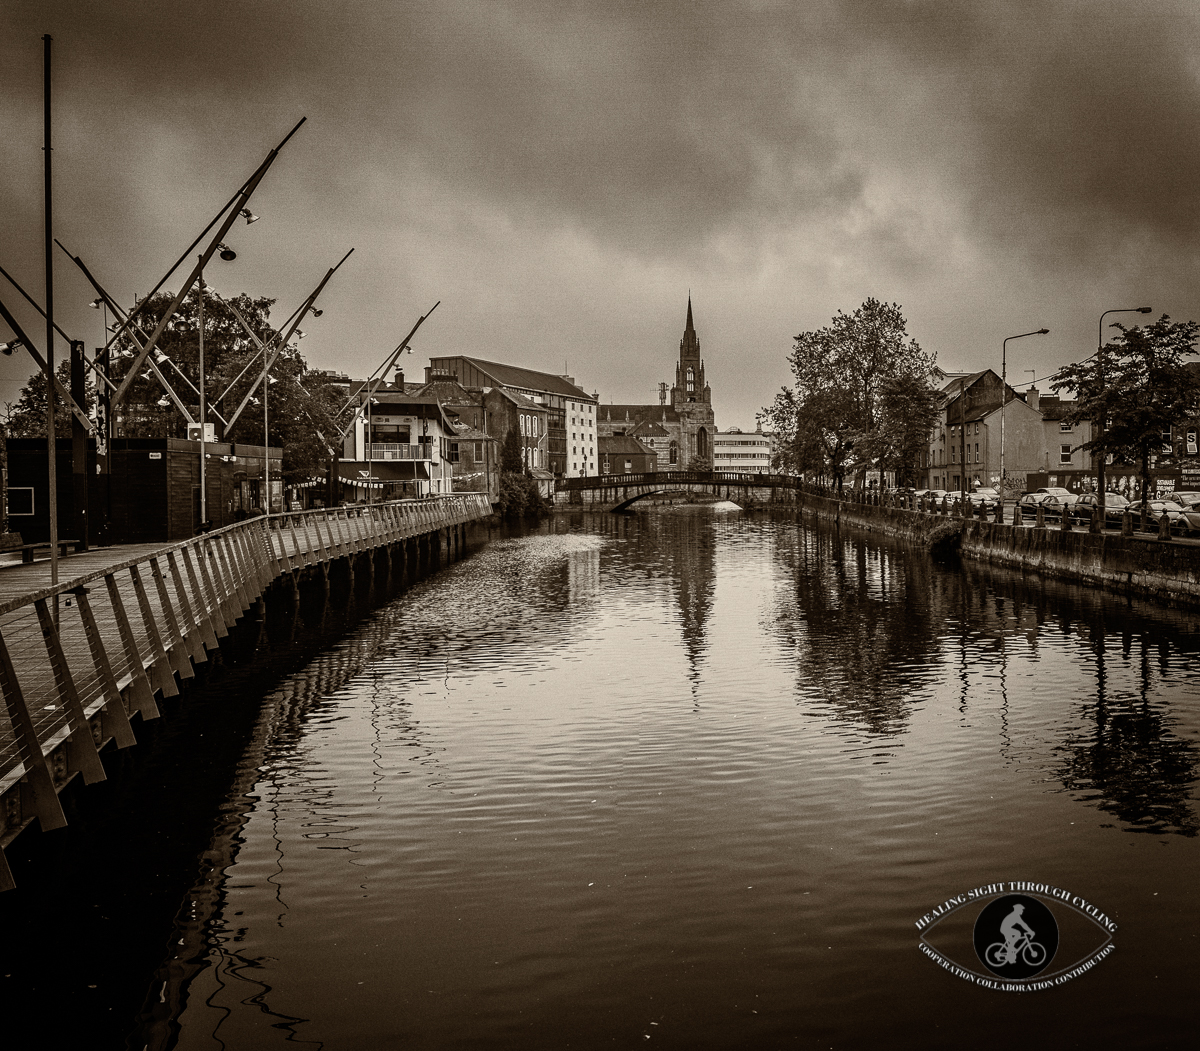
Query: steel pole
[
  {"x": 51, "y": 437},
  {"x": 203, "y": 426}
]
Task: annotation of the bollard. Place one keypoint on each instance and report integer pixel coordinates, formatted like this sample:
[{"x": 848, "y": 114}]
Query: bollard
[
  {"x": 1016, "y": 514},
  {"x": 1040, "y": 522},
  {"x": 1164, "y": 526},
  {"x": 999, "y": 512},
  {"x": 1127, "y": 523},
  {"x": 1066, "y": 518}
]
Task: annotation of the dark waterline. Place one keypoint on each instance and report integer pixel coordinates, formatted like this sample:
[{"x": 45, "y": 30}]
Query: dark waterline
[{"x": 681, "y": 780}]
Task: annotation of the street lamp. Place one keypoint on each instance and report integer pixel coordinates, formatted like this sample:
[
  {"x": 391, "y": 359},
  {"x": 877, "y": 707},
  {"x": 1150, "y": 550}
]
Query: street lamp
[
  {"x": 1100, "y": 512},
  {"x": 1004, "y": 396}
]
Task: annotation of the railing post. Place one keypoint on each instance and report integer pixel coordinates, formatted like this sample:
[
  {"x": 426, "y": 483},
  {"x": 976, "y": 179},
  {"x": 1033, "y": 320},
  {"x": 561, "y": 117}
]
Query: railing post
[
  {"x": 166, "y": 676},
  {"x": 46, "y": 803},
  {"x": 178, "y": 643},
  {"x": 114, "y": 703},
  {"x": 83, "y": 744},
  {"x": 192, "y": 636},
  {"x": 213, "y": 622},
  {"x": 139, "y": 685}
]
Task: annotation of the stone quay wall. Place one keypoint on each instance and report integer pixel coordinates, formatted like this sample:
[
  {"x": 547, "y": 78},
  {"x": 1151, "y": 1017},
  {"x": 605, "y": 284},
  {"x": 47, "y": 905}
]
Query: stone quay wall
[{"x": 1163, "y": 570}]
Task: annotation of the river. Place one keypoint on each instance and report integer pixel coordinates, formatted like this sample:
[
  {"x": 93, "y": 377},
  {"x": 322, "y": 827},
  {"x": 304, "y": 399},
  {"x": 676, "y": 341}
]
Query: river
[{"x": 691, "y": 780}]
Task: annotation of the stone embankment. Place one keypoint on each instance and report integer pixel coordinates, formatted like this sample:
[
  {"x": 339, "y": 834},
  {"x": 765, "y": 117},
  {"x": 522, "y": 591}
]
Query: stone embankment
[{"x": 1166, "y": 570}]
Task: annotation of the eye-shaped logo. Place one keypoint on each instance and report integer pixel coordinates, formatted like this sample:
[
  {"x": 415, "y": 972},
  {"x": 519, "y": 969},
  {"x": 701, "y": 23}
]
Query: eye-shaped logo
[
  {"x": 1016, "y": 936},
  {"x": 1027, "y": 936}
]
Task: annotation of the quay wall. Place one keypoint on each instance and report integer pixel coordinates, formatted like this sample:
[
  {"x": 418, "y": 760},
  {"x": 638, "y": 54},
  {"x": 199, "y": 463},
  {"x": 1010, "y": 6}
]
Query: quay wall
[{"x": 1162, "y": 570}]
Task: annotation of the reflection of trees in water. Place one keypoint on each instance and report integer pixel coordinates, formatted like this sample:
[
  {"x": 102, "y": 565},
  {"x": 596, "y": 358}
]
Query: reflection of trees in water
[
  {"x": 1131, "y": 764},
  {"x": 859, "y": 621}
]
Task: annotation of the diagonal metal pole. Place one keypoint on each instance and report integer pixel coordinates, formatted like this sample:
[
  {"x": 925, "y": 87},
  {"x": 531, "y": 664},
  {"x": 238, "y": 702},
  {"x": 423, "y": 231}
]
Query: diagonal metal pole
[
  {"x": 198, "y": 269},
  {"x": 29, "y": 345},
  {"x": 308, "y": 304},
  {"x": 373, "y": 387},
  {"x": 51, "y": 437}
]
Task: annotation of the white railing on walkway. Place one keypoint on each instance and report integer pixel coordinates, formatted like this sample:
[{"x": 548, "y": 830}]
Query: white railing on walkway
[{"x": 100, "y": 646}]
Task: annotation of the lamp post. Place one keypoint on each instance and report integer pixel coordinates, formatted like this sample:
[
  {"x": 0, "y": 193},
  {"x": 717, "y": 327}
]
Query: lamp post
[
  {"x": 1100, "y": 512},
  {"x": 204, "y": 523},
  {"x": 1004, "y": 397}
]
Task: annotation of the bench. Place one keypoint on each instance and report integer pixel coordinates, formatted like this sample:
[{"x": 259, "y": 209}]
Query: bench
[{"x": 28, "y": 550}]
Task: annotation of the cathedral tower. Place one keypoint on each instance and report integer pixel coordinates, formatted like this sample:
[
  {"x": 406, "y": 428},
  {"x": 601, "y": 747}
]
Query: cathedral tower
[{"x": 690, "y": 388}]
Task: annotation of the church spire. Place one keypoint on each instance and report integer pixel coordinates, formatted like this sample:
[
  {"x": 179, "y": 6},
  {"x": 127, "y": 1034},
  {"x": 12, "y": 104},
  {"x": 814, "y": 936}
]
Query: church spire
[{"x": 689, "y": 327}]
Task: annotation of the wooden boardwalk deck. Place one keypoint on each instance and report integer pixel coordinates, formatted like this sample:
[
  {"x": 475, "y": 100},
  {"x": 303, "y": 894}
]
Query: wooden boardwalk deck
[{"x": 125, "y": 625}]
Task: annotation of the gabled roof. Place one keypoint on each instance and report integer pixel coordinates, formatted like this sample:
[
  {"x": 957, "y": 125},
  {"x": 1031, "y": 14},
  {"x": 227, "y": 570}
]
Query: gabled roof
[
  {"x": 649, "y": 429},
  {"x": 636, "y": 414},
  {"x": 530, "y": 379},
  {"x": 622, "y": 444}
]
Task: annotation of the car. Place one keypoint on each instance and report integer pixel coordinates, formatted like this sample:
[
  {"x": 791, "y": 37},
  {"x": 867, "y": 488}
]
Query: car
[
  {"x": 1114, "y": 507},
  {"x": 1180, "y": 519},
  {"x": 1053, "y": 505},
  {"x": 984, "y": 495},
  {"x": 1183, "y": 497}
]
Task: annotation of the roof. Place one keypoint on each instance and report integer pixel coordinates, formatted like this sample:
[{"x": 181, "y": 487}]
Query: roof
[
  {"x": 467, "y": 433},
  {"x": 637, "y": 413},
  {"x": 530, "y": 379},
  {"x": 622, "y": 444},
  {"x": 648, "y": 429}
]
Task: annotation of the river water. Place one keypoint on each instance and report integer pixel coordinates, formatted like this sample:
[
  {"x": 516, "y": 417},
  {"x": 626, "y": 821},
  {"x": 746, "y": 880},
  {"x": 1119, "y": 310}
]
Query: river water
[{"x": 690, "y": 780}]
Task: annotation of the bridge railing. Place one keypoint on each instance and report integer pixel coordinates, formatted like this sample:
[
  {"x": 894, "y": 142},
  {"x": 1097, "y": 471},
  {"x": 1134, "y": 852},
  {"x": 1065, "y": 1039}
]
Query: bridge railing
[
  {"x": 604, "y": 481},
  {"x": 78, "y": 658}
]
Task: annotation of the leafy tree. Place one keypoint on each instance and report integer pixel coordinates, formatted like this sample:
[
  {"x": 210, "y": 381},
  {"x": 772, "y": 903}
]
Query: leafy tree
[
  {"x": 699, "y": 463},
  {"x": 844, "y": 411},
  {"x": 300, "y": 405},
  {"x": 26, "y": 418},
  {"x": 908, "y": 412},
  {"x": 1140, "y": 385},
  {"x": 510, "y": 453}
]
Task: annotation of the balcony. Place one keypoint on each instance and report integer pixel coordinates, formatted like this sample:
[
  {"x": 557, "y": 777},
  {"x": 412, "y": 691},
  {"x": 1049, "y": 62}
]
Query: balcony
[{"x": 396, "y": 451}]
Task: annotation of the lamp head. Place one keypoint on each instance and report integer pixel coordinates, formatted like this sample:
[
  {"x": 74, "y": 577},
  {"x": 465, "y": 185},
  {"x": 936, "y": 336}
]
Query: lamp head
[
  {"x": 227, "y": 253},
  {"x": 1043, "y": 331},
  {"x": 96, "y": 304},
  {"x": 299, "y": 334},
  {"x": 248, "y": 215},
  {"x": 8, "y": 348},
  {"x": 1144, "y": 310},
  {"x": 317, "y": 313},
  {"x": 163, "y": 402}
]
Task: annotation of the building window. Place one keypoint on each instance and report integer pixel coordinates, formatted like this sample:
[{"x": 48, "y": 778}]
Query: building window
[
  {"x": 628, "y": 466},
  {"x": 454, "y": 452},
  {"x": 691, "y": 379},
  {"x": 1064, "y": 426},
  {"x": 674, "y": 455},
  {"x": 1064, "y": 455},
  {"x": 977, "y": 451},
  {"x": 479, "y": 452}
]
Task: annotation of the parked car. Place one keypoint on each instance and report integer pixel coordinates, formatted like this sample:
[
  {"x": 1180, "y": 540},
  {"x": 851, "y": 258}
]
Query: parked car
[
  {"x": 1181, "y": 520},
  {"x": 983, "y": 495},
  {"x": 1114, "y": 507},
  {"x": 1184, "y": 497},
  {"x": 1038, "y": 495}
]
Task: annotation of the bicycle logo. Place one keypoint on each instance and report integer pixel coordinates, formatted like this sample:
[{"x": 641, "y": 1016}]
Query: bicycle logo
[{"x": 1016, "y": 936}]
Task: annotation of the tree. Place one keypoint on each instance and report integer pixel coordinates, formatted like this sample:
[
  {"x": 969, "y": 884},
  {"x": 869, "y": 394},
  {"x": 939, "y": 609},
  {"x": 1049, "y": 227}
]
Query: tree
[
  {"x": 27, "y": 417},
  {"x": 511, "y": 460},
  {"x": 300, "y": 405},
  {"x": 1140, "y": 385},
  {"x": 845, "y": 410}
]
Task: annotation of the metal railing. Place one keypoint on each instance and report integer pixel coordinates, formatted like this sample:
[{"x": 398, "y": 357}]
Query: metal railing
[
  {"x": 398, "y": 451},
  {"x": 77, "y": 659},
  {"x": 607, "y": 481}
]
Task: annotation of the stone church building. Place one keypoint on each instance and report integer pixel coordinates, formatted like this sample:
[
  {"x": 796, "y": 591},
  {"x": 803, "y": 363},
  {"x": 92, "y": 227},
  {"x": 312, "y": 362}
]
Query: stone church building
[{"x": 680, "y": 429}]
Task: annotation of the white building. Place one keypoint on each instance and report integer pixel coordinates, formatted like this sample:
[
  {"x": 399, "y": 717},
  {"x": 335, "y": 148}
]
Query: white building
[{"x": 748, "y": 453}]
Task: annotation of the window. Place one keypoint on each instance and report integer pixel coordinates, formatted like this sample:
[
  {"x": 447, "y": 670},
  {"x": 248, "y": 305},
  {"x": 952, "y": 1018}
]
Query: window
[
  {"x": 628, "y": 466},
  {"x": 976, "y": 428},
  {"x": 478, "y": 452},
  {"x": 691, "y": 379},
  {"x": 977, "y": 448},
  {"x": 674, "y": 456},
  {"x": 1064, "y": 426},
  {"x": 521, "y": 420},
  {"x": 954, "y": 454},
  {"x": 454, "y": 452},
  {"x": 1064, "y": 454}
]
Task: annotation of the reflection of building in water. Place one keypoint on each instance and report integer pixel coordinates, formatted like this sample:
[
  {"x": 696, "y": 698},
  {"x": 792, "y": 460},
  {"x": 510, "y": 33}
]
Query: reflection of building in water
[
  {"x": 692, "y": 569},
  {"x": 583, "y": 575}
]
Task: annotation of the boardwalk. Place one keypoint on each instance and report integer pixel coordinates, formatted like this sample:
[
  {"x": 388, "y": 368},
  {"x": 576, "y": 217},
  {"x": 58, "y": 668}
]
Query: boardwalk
[{"x": 126, "y": 625}]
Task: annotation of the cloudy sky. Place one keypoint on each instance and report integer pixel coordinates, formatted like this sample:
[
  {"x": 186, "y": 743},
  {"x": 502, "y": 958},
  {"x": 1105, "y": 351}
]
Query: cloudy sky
[{"x": 560, "y": 175}]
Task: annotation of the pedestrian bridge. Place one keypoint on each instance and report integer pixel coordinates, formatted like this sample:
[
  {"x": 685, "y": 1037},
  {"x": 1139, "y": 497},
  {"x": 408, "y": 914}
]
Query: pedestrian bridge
[{"x": 616, "y": 492}]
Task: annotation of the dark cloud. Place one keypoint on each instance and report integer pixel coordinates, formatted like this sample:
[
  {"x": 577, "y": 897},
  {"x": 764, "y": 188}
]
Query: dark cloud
[{"x": 561, "y": 173}]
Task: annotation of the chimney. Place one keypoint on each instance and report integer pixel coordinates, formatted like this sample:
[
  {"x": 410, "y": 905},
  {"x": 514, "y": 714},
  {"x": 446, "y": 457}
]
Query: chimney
[
  {"x": 399, "y": 380},
  {"x": 1031, "y": 398}
]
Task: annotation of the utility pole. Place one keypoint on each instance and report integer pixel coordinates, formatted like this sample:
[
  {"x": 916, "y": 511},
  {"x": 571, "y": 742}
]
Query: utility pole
[{"x": 79, "y": 477}]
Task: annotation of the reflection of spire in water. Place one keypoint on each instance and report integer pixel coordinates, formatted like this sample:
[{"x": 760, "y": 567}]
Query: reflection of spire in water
[{"x": 693, "y": 571}]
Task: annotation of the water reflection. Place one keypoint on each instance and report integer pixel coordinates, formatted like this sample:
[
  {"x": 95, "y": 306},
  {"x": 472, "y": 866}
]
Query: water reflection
[{"x": 659, "y": 768}]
